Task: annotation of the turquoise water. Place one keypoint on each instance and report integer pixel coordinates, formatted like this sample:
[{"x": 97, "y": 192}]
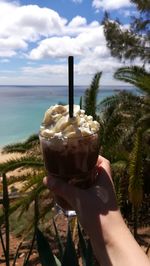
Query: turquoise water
[{"x": 22, "y": 107}]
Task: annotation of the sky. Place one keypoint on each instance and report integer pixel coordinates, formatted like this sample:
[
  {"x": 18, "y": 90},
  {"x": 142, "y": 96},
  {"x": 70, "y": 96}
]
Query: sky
[{"x": 37, "y": 36}]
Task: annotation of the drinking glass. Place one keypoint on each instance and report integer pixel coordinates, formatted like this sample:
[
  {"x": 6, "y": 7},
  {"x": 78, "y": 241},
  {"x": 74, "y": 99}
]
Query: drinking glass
[{"x": 71, "y": 159}]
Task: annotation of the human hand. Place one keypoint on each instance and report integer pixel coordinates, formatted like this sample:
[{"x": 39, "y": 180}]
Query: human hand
[
  {"x": 99, "y": 215},
  {"x": 89, "y": 203}
]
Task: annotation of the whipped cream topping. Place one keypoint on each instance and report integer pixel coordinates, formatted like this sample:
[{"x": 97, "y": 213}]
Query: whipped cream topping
[{"x": 58, "y": 124}]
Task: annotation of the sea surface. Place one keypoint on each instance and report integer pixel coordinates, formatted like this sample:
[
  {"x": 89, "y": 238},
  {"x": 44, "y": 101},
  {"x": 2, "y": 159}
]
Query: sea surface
[{"x": 22, "y": 107}]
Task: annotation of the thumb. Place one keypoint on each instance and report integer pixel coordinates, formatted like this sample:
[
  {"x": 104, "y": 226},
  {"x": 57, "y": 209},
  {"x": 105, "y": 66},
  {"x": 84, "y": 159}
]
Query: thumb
[{"x": 61, "y": 188}]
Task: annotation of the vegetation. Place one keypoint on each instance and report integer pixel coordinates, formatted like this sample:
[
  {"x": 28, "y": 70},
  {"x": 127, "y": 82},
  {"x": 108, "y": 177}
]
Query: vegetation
[
  {"x": 130, "y": 43},
  {"x": 132, "y": 115},
  {"x": 67, "y": 255},
  {"x": 124, "y": 139},
  {"x": 90, "y": 97}
]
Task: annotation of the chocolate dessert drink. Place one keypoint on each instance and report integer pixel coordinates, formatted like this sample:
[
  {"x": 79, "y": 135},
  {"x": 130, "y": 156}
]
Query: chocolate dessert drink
[{"x": 70, "y": 146}]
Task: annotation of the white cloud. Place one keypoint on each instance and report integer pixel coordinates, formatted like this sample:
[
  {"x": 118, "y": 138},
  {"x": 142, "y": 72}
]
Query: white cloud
[
  {"x": 77, "y": 22},
  {"x": 84, "y": 71},
  {"x": 8, "y": 46},
  {"x": 53, "y": 39},
  {"x": 46, "y": 69},
  {"x": 81, "y": 45},
  {"x": 26, "y": 24},
  {"x": 110, "y": 4}
]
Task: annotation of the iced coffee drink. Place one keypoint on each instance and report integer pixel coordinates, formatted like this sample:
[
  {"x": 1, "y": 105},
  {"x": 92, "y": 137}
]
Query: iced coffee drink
[{"x": 70, "y": 146}]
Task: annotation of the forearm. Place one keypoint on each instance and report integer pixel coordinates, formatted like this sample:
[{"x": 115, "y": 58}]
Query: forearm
[{"x": 114, "y": 245}]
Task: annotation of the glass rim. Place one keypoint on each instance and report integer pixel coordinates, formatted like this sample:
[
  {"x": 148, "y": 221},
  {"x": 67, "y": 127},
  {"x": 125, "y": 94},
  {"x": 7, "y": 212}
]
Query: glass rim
[{"x": 67, "y": 138}]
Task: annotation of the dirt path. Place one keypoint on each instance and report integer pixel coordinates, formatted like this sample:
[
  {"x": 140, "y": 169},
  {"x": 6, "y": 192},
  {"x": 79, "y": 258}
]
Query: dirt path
[{"x": 14, "y": 243}]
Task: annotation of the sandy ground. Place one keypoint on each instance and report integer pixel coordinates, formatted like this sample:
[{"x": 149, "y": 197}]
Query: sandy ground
[{"x": 6, "y": 157}]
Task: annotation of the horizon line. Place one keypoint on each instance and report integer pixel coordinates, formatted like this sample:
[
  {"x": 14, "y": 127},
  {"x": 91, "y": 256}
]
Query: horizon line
[{"x": 64, "y": 85}]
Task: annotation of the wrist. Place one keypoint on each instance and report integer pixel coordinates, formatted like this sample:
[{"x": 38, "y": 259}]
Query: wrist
[
  {"x": 105, "y": 226},
  {"x": 111, "y": 225},
  {"x": 105, "y": 234}
]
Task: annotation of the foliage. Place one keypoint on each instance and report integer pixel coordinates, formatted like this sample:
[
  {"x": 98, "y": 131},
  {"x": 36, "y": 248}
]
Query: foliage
[
  {"x": 22, "y": 147},
  {"x": 67, "y": 255},
  {"x": 31, "y": 173},
  {"x": 135, "y": 75},
  {"x": 70, "y": 252},
  {"x": 133, "y": 42},
  {"x": 27, "y": 161},
  {"x": 90, "y": 97},
  {"x": 6, "y": 219},
  {"x": 120, "y": 116},
  {"x": 135, "y": 171},
  {"x": 5, "y": 241}
]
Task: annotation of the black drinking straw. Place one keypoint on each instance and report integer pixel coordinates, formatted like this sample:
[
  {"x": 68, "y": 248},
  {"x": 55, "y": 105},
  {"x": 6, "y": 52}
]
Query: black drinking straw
[{"x": 71, "y": 84}]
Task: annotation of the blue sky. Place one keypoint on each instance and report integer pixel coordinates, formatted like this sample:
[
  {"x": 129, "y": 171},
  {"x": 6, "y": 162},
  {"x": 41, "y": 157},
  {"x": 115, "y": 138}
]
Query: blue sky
[{"x": 36, "y": 37}]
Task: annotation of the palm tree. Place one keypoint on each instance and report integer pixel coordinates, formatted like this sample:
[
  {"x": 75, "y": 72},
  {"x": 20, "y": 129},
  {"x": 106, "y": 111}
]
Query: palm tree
[
  {"x": 123, "y": 117},
  {"x": 135, "y": 75},
  {"x": 136, "y": 177},
  {"x": 31, "y": 178},
  {"x": 90, "y": 97},
  {"x": 119, "y": 113}
]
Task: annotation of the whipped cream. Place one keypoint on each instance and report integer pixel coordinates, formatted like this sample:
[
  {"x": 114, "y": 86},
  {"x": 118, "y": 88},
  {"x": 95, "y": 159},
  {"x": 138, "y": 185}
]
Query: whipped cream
[{"x": 58, "y": 124}]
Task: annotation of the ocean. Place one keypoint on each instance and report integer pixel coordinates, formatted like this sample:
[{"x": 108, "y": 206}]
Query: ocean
[{"x": 22, "y": 107}]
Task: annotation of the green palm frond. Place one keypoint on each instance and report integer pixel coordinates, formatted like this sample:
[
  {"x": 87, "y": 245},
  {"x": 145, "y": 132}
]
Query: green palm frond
[
  {"x": 13, "y": 207},
  {"x": 120, "y": 115},
  {"x": 27, "y": 162},
  {"x": 135, "y": 171},
  {"x": 121, "y": 100},
  {"x": 22, "y": 147},
  {"x": 32, "y": 181},
  {"x": 119, "y": 165},
  {"x": 30, "y": 197},
  {"x": 45, "y": 211},
  {"x": 90, "y": 97},
  {"x": 136, "y": 76},
  {"x": 119, "y": 169},
  {"x": 144, "y": 121},
  {"x": 108, "y": 101},
  {"x": 20, "y": 177}
]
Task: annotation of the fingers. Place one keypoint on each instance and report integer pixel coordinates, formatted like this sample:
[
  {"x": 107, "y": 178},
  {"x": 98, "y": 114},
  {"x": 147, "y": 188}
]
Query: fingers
[
  {"x": 103, "y": 164},
  {"x": 60, "y": 188},
  {"x": 102, "y": 161},
  {"x": 104, "y": 172},
  {"x": 71, "y": 193}
]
